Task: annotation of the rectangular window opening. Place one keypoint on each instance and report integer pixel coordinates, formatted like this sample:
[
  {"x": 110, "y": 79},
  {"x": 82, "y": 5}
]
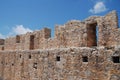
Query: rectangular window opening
[
  {"x": 85, "y": 59},
  {"x": 17, "y": 39},
  {"x": 92, "y": 35},
  {"x": 12, "y": 64},
  {"x": 2, "y": 48},
  {"x": 116, "y": 59},
  {"x": 32, "y": 42},
  {"x": 20, "y": 55},
  {"x": 35, "y": 65},
  {"x": 58, "y": 58},
  {"x": 29, "y": 56}
]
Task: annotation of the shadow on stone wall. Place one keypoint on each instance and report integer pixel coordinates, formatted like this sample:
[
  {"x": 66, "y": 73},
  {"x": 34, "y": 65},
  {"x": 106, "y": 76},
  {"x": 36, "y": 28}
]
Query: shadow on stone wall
[{"x": 1, "y": 78}]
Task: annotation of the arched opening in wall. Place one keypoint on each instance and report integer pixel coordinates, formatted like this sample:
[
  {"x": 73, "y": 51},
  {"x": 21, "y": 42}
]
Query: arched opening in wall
[
  {"x": 17, "y": 39},
  {"x": 32, "y": 42},
  {"x": 92, "y": 35}
]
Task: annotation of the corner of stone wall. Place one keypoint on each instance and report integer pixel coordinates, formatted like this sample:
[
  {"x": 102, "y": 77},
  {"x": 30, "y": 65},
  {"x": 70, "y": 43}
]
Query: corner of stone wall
[{"x": 112, "y": 19}]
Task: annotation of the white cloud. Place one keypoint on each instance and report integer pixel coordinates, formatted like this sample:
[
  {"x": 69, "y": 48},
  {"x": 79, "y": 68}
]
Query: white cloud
[
  {"x": 98, "y": 8},
  {"x": 2, "y": 36},
  {"x": 20, "y": 29}
]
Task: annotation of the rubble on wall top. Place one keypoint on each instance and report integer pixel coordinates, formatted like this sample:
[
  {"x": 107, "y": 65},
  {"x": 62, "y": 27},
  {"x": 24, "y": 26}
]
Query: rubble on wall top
[
  {"x": 91, "y": 18},
  {"x": 87, "y": 20},
  {"x": 112, "y": 12},
  {"x": 73, "y": 21}
]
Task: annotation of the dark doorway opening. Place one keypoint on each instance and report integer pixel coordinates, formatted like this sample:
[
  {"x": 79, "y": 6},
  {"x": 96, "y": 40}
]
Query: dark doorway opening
[
  {"x": 32, "y": 42},
  {"x": 92, "y": 35}
]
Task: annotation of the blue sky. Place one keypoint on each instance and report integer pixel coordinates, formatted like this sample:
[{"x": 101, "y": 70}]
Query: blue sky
[{"x": 21, "y": 16}]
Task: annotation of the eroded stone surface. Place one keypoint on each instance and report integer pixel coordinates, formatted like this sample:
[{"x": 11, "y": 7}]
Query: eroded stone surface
[
  {"x": 43, "y": 65},
  {"x": 74, "y": 53}
]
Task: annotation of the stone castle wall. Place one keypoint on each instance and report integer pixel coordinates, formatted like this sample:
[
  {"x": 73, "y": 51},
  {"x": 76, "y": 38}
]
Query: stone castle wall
[
  {"x": 72, "y": 34},
  {"x": 61, "y": 64},
  {"x": 74, "y": 53}
]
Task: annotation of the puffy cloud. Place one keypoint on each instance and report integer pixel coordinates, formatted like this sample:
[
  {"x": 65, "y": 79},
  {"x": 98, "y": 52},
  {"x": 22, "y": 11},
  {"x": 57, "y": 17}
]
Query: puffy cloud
[
  {"x": 98, "y": 8},
  {"x": 20, "y": 29}
]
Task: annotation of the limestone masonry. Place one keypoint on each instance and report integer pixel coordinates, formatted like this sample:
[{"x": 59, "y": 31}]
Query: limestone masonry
[{"x": 79, "y": 50}]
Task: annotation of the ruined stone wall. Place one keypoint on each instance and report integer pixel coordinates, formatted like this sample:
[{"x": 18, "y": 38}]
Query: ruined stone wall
[
  {"x": 80, "y": 34},
  {"x": 72, "y": 34},
  {"x": 25, "y": 40},
  {"x": 68, "y": 55},
  {"x": 61, "y": 64},
  {"x": 109, "y": 24}
]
